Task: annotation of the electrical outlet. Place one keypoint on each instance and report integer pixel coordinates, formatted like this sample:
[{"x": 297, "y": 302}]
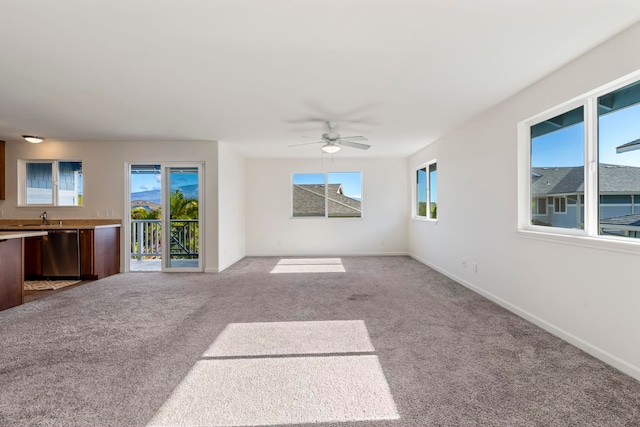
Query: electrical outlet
[
  {"x": 475, "y": 267},
  {"x": 111, "y": 213},
  {"x": 95, "y": 213}
]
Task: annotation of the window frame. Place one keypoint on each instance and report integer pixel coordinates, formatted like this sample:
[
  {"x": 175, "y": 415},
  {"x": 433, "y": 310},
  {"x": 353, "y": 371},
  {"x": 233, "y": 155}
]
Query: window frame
[
  {"x": 326, "y": 196},
  {"x": 55, "y": 187},
  {"x": 414, "y": 191},
  {"x": 590, "y": 234}
]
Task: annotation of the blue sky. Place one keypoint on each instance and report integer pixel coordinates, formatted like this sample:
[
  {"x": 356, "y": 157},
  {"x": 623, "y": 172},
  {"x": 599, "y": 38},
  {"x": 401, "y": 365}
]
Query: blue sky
[
  {"x": 147, "y": 182},
  {"x": 351, "y": 181},
  {"x": 421, "y": 180},
  {"x": 565, "y": 147}
]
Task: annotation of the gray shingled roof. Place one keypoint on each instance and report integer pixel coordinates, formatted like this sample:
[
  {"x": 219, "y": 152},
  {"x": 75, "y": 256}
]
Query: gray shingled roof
[
  {"x": 614, "y": 179},
  {"x": 308, "y": 200},
  {"x": 629, "y": 220}
]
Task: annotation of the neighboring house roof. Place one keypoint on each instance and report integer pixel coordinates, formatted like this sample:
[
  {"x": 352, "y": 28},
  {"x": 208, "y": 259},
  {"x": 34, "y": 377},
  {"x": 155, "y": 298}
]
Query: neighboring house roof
[
  {"x": 308, "y": 200},
  {"x": 629, "y": 146},
  {"x": 628, "y": 220},
  {"x": 614, "y": 179}
]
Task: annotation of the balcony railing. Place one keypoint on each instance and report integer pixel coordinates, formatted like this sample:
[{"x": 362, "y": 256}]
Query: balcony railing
[{"x": 146, "y": 238}]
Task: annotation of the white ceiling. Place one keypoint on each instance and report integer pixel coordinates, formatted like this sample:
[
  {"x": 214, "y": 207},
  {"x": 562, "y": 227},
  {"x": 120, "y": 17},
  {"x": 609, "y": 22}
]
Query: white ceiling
[{"x": 263, "y": 74}]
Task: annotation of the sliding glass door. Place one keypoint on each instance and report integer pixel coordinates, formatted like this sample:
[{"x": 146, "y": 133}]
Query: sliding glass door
[
  {"x": 166, "y": 206},
  {"x": 182, "y": 225}
]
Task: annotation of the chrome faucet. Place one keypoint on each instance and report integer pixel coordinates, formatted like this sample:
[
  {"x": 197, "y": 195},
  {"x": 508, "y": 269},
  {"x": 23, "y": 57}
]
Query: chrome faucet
[{"x": 44, "y": 218}]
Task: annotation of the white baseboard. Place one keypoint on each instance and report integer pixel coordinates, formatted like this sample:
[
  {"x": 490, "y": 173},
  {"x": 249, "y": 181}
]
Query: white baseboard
[
  {"x": 333, "y": 254},
  {"x": 608, "y": 358},
  {"x": 221, "y": 268}
]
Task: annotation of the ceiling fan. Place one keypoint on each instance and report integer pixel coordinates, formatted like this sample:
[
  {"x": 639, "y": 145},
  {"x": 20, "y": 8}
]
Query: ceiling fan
[{"x": 333, "y": 141}]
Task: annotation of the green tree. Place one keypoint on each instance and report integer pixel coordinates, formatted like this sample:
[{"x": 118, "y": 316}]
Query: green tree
[
  {"x": 141, "y": 213},
  {"x": 422, "y": 208},
  {"x": 182, "y": 207}
]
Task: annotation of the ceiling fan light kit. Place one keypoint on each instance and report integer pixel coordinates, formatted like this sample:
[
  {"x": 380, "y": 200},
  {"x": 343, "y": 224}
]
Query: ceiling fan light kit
[
  {"x": 330, "y": 148},
  {"x": 333, "y": 141}
]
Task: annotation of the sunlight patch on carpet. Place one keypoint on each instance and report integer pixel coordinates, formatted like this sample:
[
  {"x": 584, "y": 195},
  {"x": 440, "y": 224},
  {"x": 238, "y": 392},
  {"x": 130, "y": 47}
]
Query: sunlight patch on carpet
[
  {"x": 282, "y": 338},
  {"x": 269, "y": 391},
  {"x": 42, "y": 285},
  {"x": 309, "y": 265}
]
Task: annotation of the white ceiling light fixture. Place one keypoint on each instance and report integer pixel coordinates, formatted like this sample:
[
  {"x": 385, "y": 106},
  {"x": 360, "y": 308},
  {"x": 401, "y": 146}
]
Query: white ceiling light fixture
[
  {"x": 33, "y": 139},
  {"x": 330, "y": 148}
]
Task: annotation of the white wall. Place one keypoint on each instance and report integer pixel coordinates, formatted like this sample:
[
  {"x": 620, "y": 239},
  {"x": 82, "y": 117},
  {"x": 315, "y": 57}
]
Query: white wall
[
  {"x": 104, "y": 173},
  {"x": 588, "y": 295},
  {"x": 272, "y": 231},
  {"x": 231, "y": 206}
]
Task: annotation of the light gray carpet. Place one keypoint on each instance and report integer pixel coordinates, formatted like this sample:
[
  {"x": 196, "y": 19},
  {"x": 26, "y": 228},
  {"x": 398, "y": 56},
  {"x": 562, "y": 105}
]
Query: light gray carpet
[
  {"x": 278, "y": 338},
  {"x": 256, "y": 387},
  {"x": 113, "y": 352},
  {"x": 279, "y": 391}
]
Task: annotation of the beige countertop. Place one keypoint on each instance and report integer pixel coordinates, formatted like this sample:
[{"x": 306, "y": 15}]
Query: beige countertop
[
  {"x": 6, "y": 235},
  {"x": 55, "y": 224}
]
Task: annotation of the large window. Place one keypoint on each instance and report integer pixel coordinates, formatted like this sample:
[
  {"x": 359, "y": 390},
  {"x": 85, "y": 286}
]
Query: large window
[
  {"x": 426, "y": 191},
  {"x": 585, "y": 159},
  {"x": 50, "y": 183},
  {"x": 557, "y": 168},
  {"x": 327, "y": 195},
  {"x": 619, "y": 161}
]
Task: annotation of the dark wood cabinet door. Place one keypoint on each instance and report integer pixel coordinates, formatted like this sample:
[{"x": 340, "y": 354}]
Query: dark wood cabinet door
[
  {"x": 86, "y": 254},
  {"x": 2, "y": 171},
  {"x": 11, "y": 277},
  {"x": 33, "y": 257},
  {"x": 99, "y": 252}
]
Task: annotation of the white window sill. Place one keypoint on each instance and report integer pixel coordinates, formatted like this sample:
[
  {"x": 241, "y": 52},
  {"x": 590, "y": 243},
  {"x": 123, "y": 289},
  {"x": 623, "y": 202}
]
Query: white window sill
[
  {"x": 348, "y": 218},
  {"x": 604, "y": 243},
  {"x": 38, "y": 207},
  {"x": 419, "y": 218}
]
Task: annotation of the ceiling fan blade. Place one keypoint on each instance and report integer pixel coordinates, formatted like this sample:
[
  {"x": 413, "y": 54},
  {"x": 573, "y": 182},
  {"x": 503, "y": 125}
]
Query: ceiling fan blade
[
  {"x": 353, "y": 144},
  {"x": 307, "y": 143},
  {"x": 354, "y": 138}
]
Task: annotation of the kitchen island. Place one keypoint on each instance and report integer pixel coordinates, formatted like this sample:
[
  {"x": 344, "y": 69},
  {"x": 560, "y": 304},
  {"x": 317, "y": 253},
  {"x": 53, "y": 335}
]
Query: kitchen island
[{"x": 12, "y": 266}]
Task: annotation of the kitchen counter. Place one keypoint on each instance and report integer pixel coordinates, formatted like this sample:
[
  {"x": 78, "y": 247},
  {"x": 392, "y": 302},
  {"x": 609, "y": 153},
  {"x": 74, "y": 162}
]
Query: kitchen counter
[
  {"x": 87, "y": 248},
  {"x": 6, "y": 235},
  {"x": 54, "y": 224}
]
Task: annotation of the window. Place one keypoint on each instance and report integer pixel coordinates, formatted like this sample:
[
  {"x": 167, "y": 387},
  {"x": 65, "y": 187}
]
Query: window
[
  {"x": 560, "y": 204},
  {"x": 426, "y": 191},
  {"x": 539, "y": 205},
  {"x": 327, "y": 195},
  {"x": 586, "y": 159},
  {"x": 619, "y": 161},
  {"x": 557, "y": 166},
  {"x": 50, "y": 183}
]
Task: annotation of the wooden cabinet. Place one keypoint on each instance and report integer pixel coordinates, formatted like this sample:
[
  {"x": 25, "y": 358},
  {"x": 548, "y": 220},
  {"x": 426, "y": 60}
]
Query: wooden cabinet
[
  {"x": 99, "y": 252},
  {"x": 3, "y": 172},
  {"x": 11, "y": 281},
  {"x": 33, "y": 257}
]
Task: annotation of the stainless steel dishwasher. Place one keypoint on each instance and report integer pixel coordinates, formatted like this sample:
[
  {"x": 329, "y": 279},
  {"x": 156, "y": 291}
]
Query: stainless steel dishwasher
[{"x": 60, "y": 254}]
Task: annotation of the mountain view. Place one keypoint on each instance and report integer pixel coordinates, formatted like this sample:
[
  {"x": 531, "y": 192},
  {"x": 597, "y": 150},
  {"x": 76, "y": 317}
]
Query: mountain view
[{"x": 190, "y": 192}]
